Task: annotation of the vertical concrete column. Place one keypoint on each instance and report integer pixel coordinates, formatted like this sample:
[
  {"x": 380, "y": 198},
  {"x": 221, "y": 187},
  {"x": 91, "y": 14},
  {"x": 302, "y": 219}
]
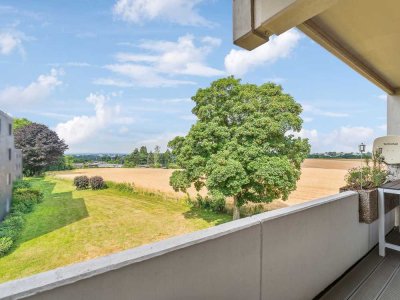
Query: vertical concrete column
[
  {"x": 393, "y": 128},
  {"x": 393, "y": 114}
]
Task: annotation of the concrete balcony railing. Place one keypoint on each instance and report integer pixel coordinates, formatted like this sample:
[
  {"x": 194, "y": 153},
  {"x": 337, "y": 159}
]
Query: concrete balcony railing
[{"x": 291, "y": 253}]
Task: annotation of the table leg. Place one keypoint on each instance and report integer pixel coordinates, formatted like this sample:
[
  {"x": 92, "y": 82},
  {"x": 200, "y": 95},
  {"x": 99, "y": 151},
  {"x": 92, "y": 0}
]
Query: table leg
[{"x": 381, "y": 230}]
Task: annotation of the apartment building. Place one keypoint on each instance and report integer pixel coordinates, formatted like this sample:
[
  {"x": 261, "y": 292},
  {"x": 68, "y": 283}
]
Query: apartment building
[{"x": 10, "y": 162}]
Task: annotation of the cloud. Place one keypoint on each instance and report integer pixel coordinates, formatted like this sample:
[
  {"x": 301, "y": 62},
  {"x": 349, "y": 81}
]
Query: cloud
[
  {"x": 160, "y": 140},
  {"x": 81, "y": 128},
  {"x": 11, "y": 41},
  {"x": 308, "y": 108},
  {"x": 182, "y": 12},
  {"x": 34, "y": 92},
  {"x": 382, "y": 97},
  {"x": 163, "y": 61},
  {"x": 240, "y": 62},
  {"x": 345, "y": 138}
]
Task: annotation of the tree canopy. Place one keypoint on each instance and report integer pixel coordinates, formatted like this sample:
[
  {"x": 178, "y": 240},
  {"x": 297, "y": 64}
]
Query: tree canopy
[
  {"x": 41, "y": 147},
  {"x": 241, "y": 145},
  {"x": 20, "y": 122}
]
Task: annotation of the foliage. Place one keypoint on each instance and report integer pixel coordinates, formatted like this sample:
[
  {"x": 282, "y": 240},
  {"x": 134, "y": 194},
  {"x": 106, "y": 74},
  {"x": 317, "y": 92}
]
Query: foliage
[
  {"x": 367, "y": 176},
  {"x": 241, "y": 145},
  {"x": 97, "y": 183},
  {"x": 216, "y": 204},
  {"x": 24, "y": 201},
  {"x": 41, "y": 147},
  {"x": 19, "y": 123},
  {"x": 336, "y": 155},
  {"x": 21, "y": 184},
  {"x": 5, "y": 245},
  {"x": 122, "y": 186},
  {"x": 81, "y": 182}
]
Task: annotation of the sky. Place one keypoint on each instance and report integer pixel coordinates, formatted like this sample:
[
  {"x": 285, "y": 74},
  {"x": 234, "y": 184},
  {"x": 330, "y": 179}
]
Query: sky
[{"x": 109, "y": 76}]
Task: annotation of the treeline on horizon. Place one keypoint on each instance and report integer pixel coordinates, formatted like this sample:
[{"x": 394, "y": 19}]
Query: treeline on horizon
[
  {"x": 342, "y": 155},
  {"x": 139, "y": 157}
]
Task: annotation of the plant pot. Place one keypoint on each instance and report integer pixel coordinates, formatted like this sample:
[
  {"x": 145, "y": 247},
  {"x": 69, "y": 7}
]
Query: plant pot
[{"x": 368, "y": 204}]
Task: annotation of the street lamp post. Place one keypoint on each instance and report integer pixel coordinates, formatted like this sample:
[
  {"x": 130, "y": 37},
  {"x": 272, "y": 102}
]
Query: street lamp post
[{"x": 361, "y": 148}]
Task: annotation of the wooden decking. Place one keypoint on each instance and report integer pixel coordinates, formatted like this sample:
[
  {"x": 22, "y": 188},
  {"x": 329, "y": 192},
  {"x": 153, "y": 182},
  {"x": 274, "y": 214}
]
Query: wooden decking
[{"x": 374, "y": 277}]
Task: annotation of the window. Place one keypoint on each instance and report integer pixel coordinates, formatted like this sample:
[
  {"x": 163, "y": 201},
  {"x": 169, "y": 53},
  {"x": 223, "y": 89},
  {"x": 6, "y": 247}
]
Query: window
[
  {"x": 10, "y": 129},
  {"x": 9, "y": 179},
  {"x": 9, "y": 154}
]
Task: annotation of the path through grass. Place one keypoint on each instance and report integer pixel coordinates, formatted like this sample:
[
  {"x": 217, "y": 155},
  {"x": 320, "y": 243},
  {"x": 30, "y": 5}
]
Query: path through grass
[{"x": 72, "y": 226}]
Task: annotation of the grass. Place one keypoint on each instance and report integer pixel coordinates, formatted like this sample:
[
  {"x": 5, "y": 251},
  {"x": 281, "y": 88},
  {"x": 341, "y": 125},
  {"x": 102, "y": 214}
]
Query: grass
[{"x": 70, "y": 226}]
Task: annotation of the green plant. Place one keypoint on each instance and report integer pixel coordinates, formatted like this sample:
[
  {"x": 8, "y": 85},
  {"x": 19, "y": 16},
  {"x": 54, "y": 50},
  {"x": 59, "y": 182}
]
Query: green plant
[
  {"x": 81, "y": 182},
  {"x": 242, "y": 144},
  {"x": 12, "y": 226},
  {"x": 216, "y": 204},
  {"x": 21, "y": 184},
  {"x": 122, "y": 186},
  {"x": 5, "y": 245},
  {"x": 97, "y": 183},
  {"x": 367, "y": 176},
  {"x": 24, "y": 200}
]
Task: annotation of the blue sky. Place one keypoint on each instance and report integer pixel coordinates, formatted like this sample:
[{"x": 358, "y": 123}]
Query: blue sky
[{"x": 109, "y": 76}]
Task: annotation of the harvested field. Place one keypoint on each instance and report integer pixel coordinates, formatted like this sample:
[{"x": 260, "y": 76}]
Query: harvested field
[{"x": 320, "y": 177}]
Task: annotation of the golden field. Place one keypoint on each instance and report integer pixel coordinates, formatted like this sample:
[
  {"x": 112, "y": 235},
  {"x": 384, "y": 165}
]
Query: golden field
[{"x": 320, "y": 177}]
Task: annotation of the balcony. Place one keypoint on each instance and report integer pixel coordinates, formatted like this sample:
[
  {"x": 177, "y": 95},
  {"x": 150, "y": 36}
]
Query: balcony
[{"x": 295, "y": 252}]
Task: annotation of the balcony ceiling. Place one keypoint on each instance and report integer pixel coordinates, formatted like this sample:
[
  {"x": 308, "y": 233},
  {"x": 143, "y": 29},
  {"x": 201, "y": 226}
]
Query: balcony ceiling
[{"x": 365, "y": 34}]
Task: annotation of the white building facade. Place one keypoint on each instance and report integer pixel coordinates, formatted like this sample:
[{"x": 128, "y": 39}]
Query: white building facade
[{"x": 10, "y": 163}]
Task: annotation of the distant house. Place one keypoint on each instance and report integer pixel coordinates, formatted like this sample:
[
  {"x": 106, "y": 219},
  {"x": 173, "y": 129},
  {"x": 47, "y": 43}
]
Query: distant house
[{"x": 10, "y": 163}]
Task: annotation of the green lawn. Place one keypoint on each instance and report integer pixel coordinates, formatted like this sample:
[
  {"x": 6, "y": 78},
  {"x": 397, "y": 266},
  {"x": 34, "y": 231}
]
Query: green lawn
[{"x": 71, "y": 226}]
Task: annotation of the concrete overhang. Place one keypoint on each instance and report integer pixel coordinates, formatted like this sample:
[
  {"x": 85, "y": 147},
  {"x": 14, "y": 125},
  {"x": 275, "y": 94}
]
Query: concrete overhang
[{"x": 365, "y": 34}]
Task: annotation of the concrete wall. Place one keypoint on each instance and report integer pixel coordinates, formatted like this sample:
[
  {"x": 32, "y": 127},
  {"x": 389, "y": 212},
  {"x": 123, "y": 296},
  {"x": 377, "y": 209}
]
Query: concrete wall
[
  {"x": 290, "y": 253},
  {"x": 10, "y": 169}
]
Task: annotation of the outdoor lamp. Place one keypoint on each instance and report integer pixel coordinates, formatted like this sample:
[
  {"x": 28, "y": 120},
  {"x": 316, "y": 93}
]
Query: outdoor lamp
[{"x": 361, "y": 147}]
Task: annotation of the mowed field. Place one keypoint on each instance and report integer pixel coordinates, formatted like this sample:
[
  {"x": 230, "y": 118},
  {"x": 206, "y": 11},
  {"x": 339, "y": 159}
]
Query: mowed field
[{"x": 320, "y": 177}]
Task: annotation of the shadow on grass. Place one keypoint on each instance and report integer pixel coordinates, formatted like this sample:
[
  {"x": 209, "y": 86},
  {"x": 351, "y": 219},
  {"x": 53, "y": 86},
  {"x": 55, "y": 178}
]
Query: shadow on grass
[
  {"x": 56, "y": 211},
  {"x": 207, "y": 215}
]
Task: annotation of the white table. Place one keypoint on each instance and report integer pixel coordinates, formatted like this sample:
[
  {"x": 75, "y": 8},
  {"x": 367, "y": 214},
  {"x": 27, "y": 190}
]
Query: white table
[{"x": 388, "y": 188}]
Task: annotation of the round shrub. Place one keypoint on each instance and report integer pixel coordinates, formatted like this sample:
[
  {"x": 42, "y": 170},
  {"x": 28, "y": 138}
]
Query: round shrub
[
  {"x": 5, "y": 245},
  {"x": 97, "y": 183},
  {"x": 81, "y": 182}
]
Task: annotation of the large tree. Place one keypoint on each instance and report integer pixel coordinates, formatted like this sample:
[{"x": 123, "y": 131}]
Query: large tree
[
  {"x": 41, "y": 147},
  {"x": 242, "y": 144},
  {"x": 20, "y": 122}
]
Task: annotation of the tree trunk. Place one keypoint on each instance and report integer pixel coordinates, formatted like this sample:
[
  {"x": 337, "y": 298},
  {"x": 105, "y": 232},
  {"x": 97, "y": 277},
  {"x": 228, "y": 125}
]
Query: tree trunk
[{"x": 236, "y": 211}]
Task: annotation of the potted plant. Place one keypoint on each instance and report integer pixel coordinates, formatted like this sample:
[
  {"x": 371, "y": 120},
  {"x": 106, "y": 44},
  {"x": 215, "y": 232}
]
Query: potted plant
[{"x": 365, "y": 180}]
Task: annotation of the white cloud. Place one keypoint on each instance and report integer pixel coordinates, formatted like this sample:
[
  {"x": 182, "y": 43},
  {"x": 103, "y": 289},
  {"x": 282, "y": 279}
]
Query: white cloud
[
  {"x": 345, "y": 138},
  {"x": 182, "y": 12},
  {"x": 320, "y": 112},
  {"x": 348, "y": 138},
  {"x": 81, "y": 128},
  {"x": 239, "y": 62},
  {"x": 10, "y": 41},
  {"x": 34, "y": 92},
  {"x": 382, "y": 97},
  {"x": 162, "y": 62},
  {"x": 160, "y": 140}
]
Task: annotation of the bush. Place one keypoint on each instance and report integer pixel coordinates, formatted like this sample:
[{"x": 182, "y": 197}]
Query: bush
[
  {"x": 216, "y": 204},
  {"x": 24, "y": 200},
  {"x": 12, "y": 226},
  {"x": 97, "y": 183},
  {"x": 5, "y": 245},
  {"x": 21, "y": 184},
  {"x": 122, "y": 187},
  {"x": 81, "y": 182}
]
